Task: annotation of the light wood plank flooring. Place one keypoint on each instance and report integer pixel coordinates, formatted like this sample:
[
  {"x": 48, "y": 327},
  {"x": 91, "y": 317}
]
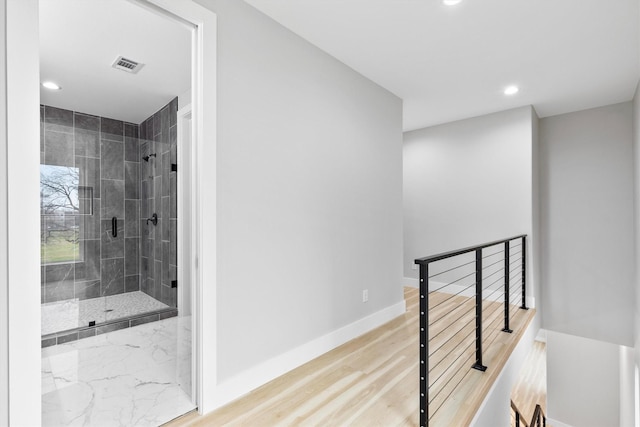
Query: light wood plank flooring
[
  {"x": 531, "y": 387},
  {"x": 456, "y": 391},
  {"x": 373, "y": 379}
]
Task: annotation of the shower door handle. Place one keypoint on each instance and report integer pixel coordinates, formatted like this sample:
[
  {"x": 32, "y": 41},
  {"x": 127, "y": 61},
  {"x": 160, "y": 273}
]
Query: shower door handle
[
  {"x": 153, "y": 219},
  {"x": 114, "y": 226}
]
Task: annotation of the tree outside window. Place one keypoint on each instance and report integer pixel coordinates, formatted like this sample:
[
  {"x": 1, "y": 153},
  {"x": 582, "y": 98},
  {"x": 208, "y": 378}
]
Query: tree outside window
[{"x": 59, "y": 213}]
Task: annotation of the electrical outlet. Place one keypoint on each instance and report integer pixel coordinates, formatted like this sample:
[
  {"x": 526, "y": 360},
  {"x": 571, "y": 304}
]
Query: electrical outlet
[{"x": 365, "y": 295}]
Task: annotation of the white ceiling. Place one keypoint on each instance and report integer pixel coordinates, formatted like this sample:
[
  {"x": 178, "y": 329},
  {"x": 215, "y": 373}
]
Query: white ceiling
[
  {"x": 80, "y": 39},
  {"x": 449, "y": 63}
]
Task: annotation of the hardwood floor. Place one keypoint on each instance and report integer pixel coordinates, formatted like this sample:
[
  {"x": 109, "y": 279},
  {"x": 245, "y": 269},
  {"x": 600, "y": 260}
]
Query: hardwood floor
[
  {"x": 457, "y": 394},
  {"x": 373, "y": 379},
  {"x": 531, "y": 387}
]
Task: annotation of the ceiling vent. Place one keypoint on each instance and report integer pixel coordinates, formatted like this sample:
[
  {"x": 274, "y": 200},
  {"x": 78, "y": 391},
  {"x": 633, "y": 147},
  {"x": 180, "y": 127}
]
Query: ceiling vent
[{"x": 127, "y": 65}]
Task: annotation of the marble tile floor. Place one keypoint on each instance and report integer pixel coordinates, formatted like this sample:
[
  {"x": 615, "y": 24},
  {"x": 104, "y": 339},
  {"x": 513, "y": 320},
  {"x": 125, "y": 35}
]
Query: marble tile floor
[
  {"x": 131, "y": 377},
  {"x": 73, "y": 313}
]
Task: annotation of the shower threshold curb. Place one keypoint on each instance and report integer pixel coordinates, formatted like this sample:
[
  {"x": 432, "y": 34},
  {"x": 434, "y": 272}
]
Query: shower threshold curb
[{"x": 76, "y": 334}]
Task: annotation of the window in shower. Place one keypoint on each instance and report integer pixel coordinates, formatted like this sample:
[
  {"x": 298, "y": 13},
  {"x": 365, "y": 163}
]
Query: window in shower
[{"x": 62, "y": 201}]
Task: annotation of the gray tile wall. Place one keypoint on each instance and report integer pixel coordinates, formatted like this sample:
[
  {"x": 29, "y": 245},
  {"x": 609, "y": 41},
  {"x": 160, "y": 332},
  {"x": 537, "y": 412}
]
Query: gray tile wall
[
  {"x": 106, "y": 151},
  {"x": 158, "y": 249}
]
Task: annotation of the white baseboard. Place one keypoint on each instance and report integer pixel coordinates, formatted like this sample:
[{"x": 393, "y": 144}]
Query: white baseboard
[
  {"x": 556, "y": 423},
  {"x": 258, "y": 375}
]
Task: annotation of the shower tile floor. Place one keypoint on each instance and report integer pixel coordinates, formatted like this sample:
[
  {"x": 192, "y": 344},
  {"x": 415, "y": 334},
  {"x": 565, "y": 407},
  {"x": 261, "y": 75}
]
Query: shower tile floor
[
  {"x": 131, "y": 377},
  {"x": 73, "y": 313}
]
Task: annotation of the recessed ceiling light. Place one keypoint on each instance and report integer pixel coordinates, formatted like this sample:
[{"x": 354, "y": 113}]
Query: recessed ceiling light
[
  {"x": 51, "y": 85},
  {"x": 451, "y": 2},
  {"x": 511, "y": 90}
]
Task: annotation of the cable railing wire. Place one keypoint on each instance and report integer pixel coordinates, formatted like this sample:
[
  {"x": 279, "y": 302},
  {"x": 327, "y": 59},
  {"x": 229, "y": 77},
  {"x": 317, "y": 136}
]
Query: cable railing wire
[
  {"x": 488, "y": 325},
  {"x": 491, "y": 265},
  {"x": 450, "y": 297},
  {"x": 489, "y": 275},
  {"x": 448, "y": 395},
  {"x": 515, "y": 300},
  {"x": 495, "y": 332},
  {"x": 452, "y": 390},
  {"x": 487, "y": 297},
  {"x": 518, "y": 269},
  {"x": 515, "y": 281},
  {"x": 452, "y": 322},
  {"x": 451, "y": 365},
  {"x": 513, "y": 315},
  {"x": 514, "y": 261},
  {"x": 461, "y": 316},
  {"x": 493, "y": 301},
  {"x": 492, "y": 316},
  {"x": 504, "y": 271},
  {"x": 451, "y": 269},
  {"x": 494, "y": 282},
  {"x": 450, "y": 311},
  {"x": 515, "y": 284},
  {"x": 492, "y": 335},
  {"x": 452, "y": 350},
  {"x": 451, "y": 283},
  {"x": 515, "y": 303},
  {"x": 495, "y": 253},
  {"x": 453, "y": 335}
]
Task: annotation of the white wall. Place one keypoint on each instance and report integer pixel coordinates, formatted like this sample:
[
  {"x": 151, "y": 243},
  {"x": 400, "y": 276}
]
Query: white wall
[
  {"x": 586, "y": 168},
  {"x": 466, "y": 183},
  {"x": 627, "y": 386},
  {"x": 535, "y": 266},
  {"x": 636, "y": 216},
  {"x": 21, "y": 205},
  {"x": 309, "y": 191},
  {"x": 582, "y": 381},
  {"x": 4, "y": 277}
]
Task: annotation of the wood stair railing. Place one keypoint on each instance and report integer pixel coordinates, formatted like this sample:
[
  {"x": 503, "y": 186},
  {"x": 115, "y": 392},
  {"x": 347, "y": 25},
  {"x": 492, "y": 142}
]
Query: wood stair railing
[
  {"x": 539, "y": 419},
  {"x": 518, "y": 415}
]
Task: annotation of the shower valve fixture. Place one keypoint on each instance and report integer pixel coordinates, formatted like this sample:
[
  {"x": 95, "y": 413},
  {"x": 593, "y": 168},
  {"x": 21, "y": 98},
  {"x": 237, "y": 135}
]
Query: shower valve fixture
[
  {"x": 146, "y": 158},
  {"x": 153, "y": 219}
]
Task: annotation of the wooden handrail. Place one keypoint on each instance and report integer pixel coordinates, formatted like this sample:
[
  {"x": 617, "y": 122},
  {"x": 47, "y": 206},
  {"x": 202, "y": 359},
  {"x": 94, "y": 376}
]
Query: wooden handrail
[
  {"x": 519, "y": 413},
  {"x": 535, "y": 420}
]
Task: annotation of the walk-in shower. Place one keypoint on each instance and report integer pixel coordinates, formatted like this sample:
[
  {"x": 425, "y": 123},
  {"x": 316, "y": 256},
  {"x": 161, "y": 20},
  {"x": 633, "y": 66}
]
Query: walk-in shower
[
  {"x": 108, "y": 222},
  {"x": 117, "y": 346}
]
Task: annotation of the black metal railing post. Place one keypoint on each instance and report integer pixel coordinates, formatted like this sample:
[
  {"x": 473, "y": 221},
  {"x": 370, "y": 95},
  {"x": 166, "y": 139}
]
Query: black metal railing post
[
  {"x": 478, "y": 365},
  {"x": 524, "y": 273},
  {"x": 424, "y": 344},
  {"x": 506, "y": 287},
  {"x": 424, "y": 307}
]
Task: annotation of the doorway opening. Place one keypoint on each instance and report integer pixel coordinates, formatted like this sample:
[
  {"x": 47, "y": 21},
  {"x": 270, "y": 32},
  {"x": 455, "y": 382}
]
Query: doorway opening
[{"x": 112, "y": 281}]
